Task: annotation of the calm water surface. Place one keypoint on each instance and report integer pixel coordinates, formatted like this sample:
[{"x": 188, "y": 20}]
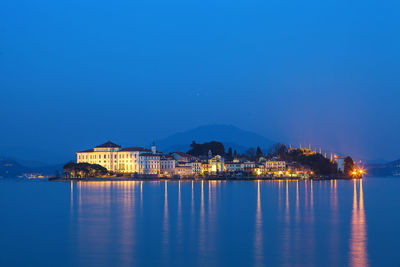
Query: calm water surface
[{"x": 249, "y": 223}]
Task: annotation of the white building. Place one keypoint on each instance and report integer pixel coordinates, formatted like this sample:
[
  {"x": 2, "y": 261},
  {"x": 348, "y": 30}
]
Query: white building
[
  {"x": 150, "y": 163},
  {"x": 196, "y": 167},
  {"x": 216, "y": 164},
  {"x": 249, "y": 165},
  {"x": 188, "y": 168},
  {"x": 126, "y": 160},
  {"x": 340, "y": 163},
  {"x": 167, "y": 164},
  {"x": 183, "y": 157},
  {"x": 234, "y": 167},
  {"x": 275, "y": 165}
]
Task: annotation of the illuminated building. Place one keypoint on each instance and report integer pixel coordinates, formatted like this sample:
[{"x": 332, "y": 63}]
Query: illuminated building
[
  {"x": 183, "y": 170},
  {"x": 183, "y": 157},
  {"x": 340, "y": 163},
  {"x": 150, "y": 163},
  {"x": 249, "y": 166},
  {"x": 127, "y": 160},
  {"x": 188, "y": 168},
  {"x": 306, "y": 151},
  {"x": 234, "y": 167},
  {"x": 196, "y": 167},
  {"x": 216, "y": 164},
  {"x": 259, "y": 169},
  {"x": 275, "y": 165},
  {"x": 167, "y": 164}
]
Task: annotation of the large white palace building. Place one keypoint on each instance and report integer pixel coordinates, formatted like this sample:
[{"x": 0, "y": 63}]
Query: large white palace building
[{"x": 128, "y": 160}]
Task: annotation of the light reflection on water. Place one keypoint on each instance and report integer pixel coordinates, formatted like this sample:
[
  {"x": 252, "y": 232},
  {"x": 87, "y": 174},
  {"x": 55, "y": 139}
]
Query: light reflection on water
[
  {"x": 119, "y": 222},
  {"x": 165, "y": 232},
  {"x": 358, "y": 239},
  {"x": 258, "y": 240}
]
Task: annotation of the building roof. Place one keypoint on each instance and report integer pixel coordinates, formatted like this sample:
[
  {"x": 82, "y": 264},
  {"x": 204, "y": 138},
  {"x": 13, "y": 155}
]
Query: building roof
[
  {"x": 140, "y": 149},
  {"x": 108, "y": 144},
  {"x": 167, "y": 157},
  {"x": 149, "y": 155},
  {"x": 183, "y": 154},
  {"x": 87, "y": 150},
  {"x": 233, "y": 163}
]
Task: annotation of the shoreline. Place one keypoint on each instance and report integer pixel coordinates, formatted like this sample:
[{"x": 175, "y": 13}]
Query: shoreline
[{"x": 152, "y": 179}]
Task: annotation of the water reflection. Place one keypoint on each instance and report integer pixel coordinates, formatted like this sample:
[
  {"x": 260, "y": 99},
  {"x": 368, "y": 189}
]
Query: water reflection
[
  {"x": 297, "y": 203},
  {"x": 334, "y": 232},
  {"x": 141, "y": 194},
  {"x": 127, "y": 234},
  {"x": 287, "y": 230},
  {"x": 202, "y": 229},
  {"x": 212, "y": 219},
  {"x": 258, "y": 240},
  {"x": 165, "y": 231},
  {"x": 179, "y": 219},
  {"x": 192, "y": 203},
  {"x": 312, "y": 195},
  {"x": 92, "y": 217},
  {"x": 309, "y": 223},
  {"x": 358, "y": 235},
  {"x": 107, "y": 218}
]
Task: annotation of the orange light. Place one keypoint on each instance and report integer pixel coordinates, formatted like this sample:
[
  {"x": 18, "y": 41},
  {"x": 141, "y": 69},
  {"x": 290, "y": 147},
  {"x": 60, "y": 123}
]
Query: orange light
[{"x": 357, "y": 172}]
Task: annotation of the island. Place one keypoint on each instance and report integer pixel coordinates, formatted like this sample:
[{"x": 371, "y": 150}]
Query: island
[{"x": 208, "y": 160}]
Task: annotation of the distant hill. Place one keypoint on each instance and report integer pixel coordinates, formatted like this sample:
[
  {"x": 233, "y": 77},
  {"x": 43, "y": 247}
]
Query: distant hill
[
  {"x": 14, "y": 168},
  {"x": 11, "y": 168},
  {"x": 387, "y": 169},
  {"x": 229, "y": 135}
]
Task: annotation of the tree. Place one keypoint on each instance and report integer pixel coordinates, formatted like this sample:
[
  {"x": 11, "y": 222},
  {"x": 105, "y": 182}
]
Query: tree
[
  {"x": 348, "y": 166},
  {"x": 84, "y": 170},
  {"x": 70, "y": 169},
  {"x": 229, "y": 155},
  {"x": 216, "y": 148},
  {"x": 259, "y": 153},
  {"x": 278, "y": 150},
  {"x": 250, "y": 153}
]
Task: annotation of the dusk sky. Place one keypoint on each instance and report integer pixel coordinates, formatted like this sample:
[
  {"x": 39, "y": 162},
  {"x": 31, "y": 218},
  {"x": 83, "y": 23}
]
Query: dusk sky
[{"x": 76, "y": 73}]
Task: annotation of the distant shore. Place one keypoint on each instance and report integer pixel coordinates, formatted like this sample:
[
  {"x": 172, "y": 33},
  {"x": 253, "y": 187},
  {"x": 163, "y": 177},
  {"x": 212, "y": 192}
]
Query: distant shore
[{"x": 250, "y": 178}]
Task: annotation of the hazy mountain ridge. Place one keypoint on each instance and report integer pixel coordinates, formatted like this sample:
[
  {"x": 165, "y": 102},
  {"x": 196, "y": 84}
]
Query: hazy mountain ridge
[
  {"x": 229, "y": 135},
  {"x": 13, "y": 168},
  {"x": 387, "y": 169}
]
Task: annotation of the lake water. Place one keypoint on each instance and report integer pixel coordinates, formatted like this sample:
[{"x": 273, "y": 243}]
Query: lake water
[{"x": 210, "y": 223}]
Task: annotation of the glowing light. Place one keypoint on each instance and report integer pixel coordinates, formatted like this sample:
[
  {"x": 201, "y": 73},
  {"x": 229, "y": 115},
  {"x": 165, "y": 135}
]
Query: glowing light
[{"x": 358, "y": 172}]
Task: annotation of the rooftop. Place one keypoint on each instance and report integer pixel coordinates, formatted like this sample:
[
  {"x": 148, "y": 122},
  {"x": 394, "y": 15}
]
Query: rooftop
[
  {"x": 87, "y": 150},
  {"x": 183, "y": 154},
  {"x": 140, "y": 149},
  {"x": 108, "y": 144},
  {"x": 149, "y": 155}
]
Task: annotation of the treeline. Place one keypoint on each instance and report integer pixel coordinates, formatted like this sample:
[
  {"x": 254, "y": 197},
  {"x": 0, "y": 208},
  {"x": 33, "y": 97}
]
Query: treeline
[
  {"x": 84, "y": 170},
  {"x": 317, "y": 162},
  {"x": 218, "y": 148}
]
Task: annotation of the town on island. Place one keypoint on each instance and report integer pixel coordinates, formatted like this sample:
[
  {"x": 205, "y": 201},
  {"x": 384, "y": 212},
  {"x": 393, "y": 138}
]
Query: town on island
[{"x": 209, "y": 160}]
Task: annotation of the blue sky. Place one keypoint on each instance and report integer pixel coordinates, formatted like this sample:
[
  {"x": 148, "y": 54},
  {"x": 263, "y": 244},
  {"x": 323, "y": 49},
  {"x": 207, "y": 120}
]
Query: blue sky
[{"x": 74, "y": 73}]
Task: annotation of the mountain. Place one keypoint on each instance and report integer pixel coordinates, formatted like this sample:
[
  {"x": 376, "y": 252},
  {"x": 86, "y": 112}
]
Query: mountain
[
  {"x": 377, "y": 161},
  {"x": 14, "y": 168},
  {"x": 387, "y": 169},
  {"x": 11, "y": 168},
  {"x": 229, "y": 135}
]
